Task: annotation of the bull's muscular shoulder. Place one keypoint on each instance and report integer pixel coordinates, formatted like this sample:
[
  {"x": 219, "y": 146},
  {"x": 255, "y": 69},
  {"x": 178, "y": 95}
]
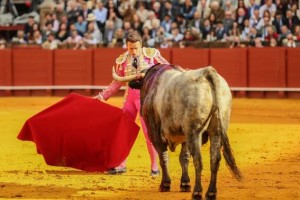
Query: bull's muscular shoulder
[
  {"x": 122, "y": 58},
  {"x": 150, "y": 52}
]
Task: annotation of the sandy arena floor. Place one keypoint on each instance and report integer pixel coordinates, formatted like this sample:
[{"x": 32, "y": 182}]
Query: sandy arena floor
[{"x": 264, "y": 134}]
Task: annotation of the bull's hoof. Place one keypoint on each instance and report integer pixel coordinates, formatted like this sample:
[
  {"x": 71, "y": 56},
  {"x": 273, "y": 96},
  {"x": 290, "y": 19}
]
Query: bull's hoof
[
  {"x": 165, "y": 187},
  {"x": 211, "y": 196},
  {"x": 197, "y": 196},
  {"x": 185, "y": 187}
]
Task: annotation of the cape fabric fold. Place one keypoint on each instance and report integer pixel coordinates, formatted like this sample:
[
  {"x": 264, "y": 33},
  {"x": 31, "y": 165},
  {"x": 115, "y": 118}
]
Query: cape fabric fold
[{"x": 82, "y": 133}]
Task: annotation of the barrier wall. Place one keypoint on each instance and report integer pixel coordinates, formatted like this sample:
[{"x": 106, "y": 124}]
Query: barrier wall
[
  {"x": 5, "y": 70},
  {"x": 32, "y": 67},
  {"x": 242, "y": 68},
  {"x": 266, "y": 68},
  {"x": 293, "y": 70}
]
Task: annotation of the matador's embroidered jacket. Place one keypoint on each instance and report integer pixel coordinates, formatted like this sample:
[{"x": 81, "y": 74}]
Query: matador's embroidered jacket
[{"x": 147, "y": 58}]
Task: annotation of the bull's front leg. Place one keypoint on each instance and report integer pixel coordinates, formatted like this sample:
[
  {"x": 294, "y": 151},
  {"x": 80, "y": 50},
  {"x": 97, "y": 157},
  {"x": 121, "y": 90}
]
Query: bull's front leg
[
  {"x": 165, "y": 184},
  {"x": 185, "y": 185},
  {"x": 194, "y": 148}
]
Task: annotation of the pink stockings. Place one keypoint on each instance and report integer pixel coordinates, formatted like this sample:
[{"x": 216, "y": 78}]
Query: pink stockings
[{"x": 132, "y": 106}]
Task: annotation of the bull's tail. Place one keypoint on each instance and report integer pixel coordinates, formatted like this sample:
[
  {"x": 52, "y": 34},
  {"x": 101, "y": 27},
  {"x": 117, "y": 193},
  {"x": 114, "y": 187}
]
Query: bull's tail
[{"x": 211, "y": 74}]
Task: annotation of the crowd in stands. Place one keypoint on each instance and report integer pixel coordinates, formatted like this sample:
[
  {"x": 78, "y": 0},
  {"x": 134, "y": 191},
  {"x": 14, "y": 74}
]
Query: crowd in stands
[{"x": 80, "y": 24}]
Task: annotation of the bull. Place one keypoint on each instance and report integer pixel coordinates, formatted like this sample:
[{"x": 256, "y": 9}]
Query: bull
[{"x": 187, "y": 107}]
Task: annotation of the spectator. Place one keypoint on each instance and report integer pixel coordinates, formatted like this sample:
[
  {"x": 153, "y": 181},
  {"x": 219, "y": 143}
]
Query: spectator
[
  {"x": 100, "y": 13},
  {"x": 109, "y": 32},
  {"x": 94, "y": 36},
  {"x": 127, "y": 27},
  {"x": 255, "y": 19},
  {"x": 242, "y": 5},
  {"x": 176, "y": 36},
  {"x": 84, "y": 11},
  {"x": 89, "y": 40},
  {"x": 2, "y": 43},
  {"x": 220, "y": 31},
  {"x": 119, "y": 38},
  {"x": 211, "y": 36},
  {"x": 74, "y": 39},
  {"x": 258, "y": 43},
  {"x": 196, "y": 21},
  {"x": 36, "y": 39},
  {"x": 291, "y": 20},
  {"x": 96, "y": 31},
  {"x": 212, "y": 19},
  {"x": 296, "y": 33},
  {"x": 246, "y": 30},
  {"x": 81, "y": 25},
  {"x": 270, "y": 34},
  {"x": 234, "y": 35},
  {"x": 217, "y": 10},
  {"x": 206, "y": 29},
  {"x": 47, "y": 30},
  {"x": 51, "y": 43},
  {"x": 112, "y": 8},
  {"x": 156, "y": 7},
  {"x": 228, "y": 21},
  {"x": 284, "y": 33},
  {"x": 252, "y": 36},
  {"x": 55, "y": 23},
  {"x": 252, "y": 7},
  {"x": 117, "y": 21},
  {"x": 62, "y": 33},
  {"x": 203, "y": 8},
  {"x": 187, "y": 10},
  {"x": 169, "y": 9},
  {"x": 151, "y": 17},
  {"x": 289, "y": 41},
  {"x": 142, "y": 12},
  {"x": 166, "y": 23},
  {"x": 73, "y": 13},
  {"x": 20, "y": 38},
  {"x": 278, "y": 21},
  {"x": 126, "y": 9},
  {"x": 137, "y": 24},
  {"x": 30, "y": 35},
  {"x": 270, "y": 6},
  {"x": 273, "y": 42},
  {"x": 28, "y": 26},
  {"x": 241, "y": 17},
  {"x": 229, "y": 8}
]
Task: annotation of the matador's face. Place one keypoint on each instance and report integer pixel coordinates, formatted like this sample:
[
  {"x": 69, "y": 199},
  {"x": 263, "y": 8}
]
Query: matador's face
[{"x": 134, "y": 48}]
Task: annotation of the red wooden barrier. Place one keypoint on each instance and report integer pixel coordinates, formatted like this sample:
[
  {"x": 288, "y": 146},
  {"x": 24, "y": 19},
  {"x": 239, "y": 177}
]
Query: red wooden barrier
[
  {"x": 5, "y": 70},
  {"x": 293, "y": 70},
  {"x": 266, "y": 69},
  {"x": 231, "y": 64},
  {"x": 72, "y": 67},
  {"x": 167, "y": 54},
  {"x": 103, "y": 61},
  {"x": 190, "y": 57},
  {"x": 32, "y": 67}
]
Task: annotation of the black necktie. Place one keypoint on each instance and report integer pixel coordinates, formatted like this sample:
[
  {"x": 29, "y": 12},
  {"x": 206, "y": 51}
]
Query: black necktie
[{"x": 135, "y": 63}]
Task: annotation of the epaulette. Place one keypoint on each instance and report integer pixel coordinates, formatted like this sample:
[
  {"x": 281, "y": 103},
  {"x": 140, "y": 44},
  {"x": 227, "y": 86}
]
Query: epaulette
[
  {"x": 150, "y": 52},
  {"x": 122, "y": 58}
]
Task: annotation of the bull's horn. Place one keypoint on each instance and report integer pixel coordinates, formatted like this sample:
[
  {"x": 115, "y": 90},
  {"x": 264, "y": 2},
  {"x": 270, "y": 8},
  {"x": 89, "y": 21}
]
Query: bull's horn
[{"x": 121, "y": 78}]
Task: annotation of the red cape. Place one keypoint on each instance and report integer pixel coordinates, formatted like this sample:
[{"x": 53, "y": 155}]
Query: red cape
[{"x": 82, "y": 133}]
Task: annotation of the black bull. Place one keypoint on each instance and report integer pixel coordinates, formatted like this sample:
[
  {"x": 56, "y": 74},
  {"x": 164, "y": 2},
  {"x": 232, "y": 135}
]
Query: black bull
[{"x": 185, "y": 107}]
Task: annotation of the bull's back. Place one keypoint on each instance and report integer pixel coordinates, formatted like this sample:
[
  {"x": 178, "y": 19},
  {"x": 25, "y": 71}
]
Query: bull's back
[{"x": 184, "y": 103}]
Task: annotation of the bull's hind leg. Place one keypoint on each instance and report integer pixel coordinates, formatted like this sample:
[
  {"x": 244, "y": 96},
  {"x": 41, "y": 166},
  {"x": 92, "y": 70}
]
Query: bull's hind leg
[
  {"x": 194, "y": 148},
  {"x": 215, "y": 157},
  {"x": 184, "y": 156},
  {"x": 165, "y": 185}
]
